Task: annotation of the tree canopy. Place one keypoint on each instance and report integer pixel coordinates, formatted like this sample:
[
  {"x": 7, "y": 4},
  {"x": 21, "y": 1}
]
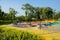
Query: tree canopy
[{"x": 31, "y": 13}]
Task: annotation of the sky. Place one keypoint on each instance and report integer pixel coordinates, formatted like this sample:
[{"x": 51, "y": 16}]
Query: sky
[{"x": 17, "y": 4}]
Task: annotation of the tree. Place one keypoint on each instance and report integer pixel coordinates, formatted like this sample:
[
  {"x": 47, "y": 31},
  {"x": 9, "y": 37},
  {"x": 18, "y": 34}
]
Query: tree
[
  {"x": 46, "y": 12},
  {"x": 29, "y": 10},
  {"x": 38, "y": 12},
  {"x": 4, "y": 16},
  {"x": 0, "y": 13},
  {"x": 57, "y": 15},
  {"x": 12, "y": 14},
  {"x": 26, "y": 13},
  {"x": 49, "y": 12}
]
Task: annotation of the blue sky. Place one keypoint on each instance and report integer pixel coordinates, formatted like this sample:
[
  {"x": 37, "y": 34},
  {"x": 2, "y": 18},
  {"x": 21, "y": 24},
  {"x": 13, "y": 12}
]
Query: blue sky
[{"x": 17, "y": 4}]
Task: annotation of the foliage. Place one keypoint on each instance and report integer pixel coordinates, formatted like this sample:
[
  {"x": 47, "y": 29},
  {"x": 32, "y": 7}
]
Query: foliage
[
  {"x": 12, "y": 13},
  {"x": 5, "y": 22},
  {"x": 57, "y": 15},
  {"x": 35, "y": 12},
  {"x": 30, "y": 12},
  {"x": 15, "y": 34},
  {"x": 21, "y": 18}
]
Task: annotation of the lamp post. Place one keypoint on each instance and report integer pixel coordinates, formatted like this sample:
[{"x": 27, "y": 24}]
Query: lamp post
[{"x": 40, "y": 21}]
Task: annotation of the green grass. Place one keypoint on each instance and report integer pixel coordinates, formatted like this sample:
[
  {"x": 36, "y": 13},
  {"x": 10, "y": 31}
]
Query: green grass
[{"x": 15, "y": 34}]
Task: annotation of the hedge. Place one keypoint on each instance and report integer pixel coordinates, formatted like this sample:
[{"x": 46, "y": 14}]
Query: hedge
[{"x": 5, "y": 22}]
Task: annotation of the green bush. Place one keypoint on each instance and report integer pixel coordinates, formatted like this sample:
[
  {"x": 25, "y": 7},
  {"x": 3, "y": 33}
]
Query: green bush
[
  {"x": 14, "y": 34},
  {"x": 5, "y": 22}
]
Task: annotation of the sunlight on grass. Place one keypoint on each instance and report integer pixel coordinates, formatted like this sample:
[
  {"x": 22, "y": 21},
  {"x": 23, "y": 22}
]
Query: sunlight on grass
[{"x": 45, "y": 33}]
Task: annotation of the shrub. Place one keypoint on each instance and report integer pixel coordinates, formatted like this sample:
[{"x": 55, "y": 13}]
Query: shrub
[
  {"x": 14, "y": 34},
  {"x": 5, "y": 22}
]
